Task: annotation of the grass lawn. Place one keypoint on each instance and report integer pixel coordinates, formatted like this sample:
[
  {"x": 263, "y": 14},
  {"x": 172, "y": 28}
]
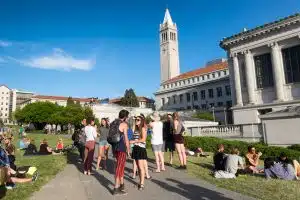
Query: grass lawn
[
  {"x": 257, "y": 187},
  {"x": 48, "y": 166}
]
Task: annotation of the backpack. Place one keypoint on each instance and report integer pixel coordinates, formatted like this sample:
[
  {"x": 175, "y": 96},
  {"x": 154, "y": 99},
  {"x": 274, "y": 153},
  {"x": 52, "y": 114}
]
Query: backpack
[{"x": 114, "y": 136}]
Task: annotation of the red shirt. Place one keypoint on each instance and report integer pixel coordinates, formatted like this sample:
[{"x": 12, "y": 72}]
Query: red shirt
[{"x": 59, "y": 146}]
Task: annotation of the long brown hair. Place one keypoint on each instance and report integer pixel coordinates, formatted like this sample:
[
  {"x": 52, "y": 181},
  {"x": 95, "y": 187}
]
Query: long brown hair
[
  {"x": 175, "y": 116},
  {"x": 140, "y": 127}
]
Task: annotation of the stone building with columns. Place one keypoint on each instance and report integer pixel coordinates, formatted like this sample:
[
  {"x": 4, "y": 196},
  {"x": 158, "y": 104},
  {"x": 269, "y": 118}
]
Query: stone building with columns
[
  {"x": 205, "y": 88},
  {"x": 264, "y": 66}
]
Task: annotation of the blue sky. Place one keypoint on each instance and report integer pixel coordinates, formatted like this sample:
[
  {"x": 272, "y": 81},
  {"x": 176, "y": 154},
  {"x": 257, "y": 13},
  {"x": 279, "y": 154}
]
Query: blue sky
[{"x": 100, "y": 48}]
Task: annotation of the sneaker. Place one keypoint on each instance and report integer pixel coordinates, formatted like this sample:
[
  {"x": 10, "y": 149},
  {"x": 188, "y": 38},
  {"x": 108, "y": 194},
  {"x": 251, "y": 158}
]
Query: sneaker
[
  {"x": 141, "y": 187},
  {"x": 122, "y": 187},
  {"x": 118, "y": 192},
  {"x": 10, "y": 186}
]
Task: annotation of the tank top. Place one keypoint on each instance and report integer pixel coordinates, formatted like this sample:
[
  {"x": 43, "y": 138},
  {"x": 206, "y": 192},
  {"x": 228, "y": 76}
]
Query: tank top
[
  {"x": 136, "y": 136},
  {"x": 157, "y": 133}
]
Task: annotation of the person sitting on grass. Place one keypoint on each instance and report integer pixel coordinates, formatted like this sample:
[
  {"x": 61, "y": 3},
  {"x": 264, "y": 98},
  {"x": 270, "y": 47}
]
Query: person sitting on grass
[
  {"x": 233, "y": 163},
  {"x": 283, "y": 158},
  {"x": 220, "y": 158},
  {"x": 252, "y": 160},
  {"x": 31, "y": 149},
  {"x": 60, "y": 145},
  {"x": 45, "y": 149},
  {"x": 10, "y": 150},
  {"x": 278, "y": 170},
  {"x": 10, "y": 174},
  {"x": 23, "y": 143}
]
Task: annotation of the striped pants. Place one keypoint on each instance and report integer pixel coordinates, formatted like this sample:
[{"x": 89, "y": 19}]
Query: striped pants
[{"x": 121, "y": 161}]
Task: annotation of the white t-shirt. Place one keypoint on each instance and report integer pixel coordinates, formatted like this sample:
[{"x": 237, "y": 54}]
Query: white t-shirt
[
  {"x": 157, "y": 133},
  {"x": 90, "y": 133}
]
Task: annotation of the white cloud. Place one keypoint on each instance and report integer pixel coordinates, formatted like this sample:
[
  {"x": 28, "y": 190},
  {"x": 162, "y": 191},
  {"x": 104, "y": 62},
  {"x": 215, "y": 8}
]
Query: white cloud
[
  {"x": 58, "y": 60},
  {"x": 5, "y": 43}
]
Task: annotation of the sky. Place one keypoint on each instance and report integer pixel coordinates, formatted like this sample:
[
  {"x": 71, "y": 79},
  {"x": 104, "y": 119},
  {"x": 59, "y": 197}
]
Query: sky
[{"x": 100, "y": 48}]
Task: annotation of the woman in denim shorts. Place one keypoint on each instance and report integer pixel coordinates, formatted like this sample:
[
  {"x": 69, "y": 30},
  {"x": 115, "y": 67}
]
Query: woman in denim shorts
[{"x": 103, "y": 144}]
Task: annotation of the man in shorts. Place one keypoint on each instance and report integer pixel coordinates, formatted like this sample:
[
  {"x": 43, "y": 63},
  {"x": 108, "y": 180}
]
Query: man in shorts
[{"x": 168, "y": 144}]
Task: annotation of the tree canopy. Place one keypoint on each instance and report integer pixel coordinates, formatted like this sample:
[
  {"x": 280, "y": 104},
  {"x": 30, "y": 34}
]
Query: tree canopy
[
  {"x": 130, "y": 99},
  {"x": 41, "y": 113}
]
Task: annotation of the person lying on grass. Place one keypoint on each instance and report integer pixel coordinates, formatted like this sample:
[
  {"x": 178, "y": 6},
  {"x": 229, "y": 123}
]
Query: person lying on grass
[
  {"x": 283, "y": 158},
  {"x": 278, "y": 170},
  {"x": 252, "y": 160}
]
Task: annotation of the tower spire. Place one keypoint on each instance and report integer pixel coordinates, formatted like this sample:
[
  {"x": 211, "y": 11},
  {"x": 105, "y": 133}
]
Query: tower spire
[{"x": 167, "y": 18}]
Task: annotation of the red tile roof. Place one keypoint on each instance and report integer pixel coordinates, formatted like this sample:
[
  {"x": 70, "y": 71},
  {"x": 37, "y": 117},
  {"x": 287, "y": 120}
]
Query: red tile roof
[
  {"x": 117, "y": 100},
  {"x": 61, "y": 98},
  {"x": 200, "y": 71}
]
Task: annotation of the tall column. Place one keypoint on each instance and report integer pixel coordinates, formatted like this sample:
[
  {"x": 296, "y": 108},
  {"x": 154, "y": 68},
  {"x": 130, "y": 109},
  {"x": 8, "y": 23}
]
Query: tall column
[
  {"x": 278, "y": 74},
  {"x": 237, "y": 80},
  {"x": 250, "y": 76}
]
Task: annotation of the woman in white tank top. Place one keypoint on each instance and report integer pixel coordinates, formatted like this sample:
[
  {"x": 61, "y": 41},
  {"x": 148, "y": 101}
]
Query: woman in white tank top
[{"x": 157, "y": 141}]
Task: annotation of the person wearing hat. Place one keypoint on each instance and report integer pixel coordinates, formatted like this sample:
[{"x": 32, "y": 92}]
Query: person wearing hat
[{"x": 157, "y": 141}]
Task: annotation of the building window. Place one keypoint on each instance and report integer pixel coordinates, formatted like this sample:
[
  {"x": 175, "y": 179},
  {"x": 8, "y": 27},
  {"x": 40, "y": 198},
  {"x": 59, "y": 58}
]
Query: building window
[
  {"x": 207, "y": 76},
  {"x": 2, "y": 103},
  {"x": 189, "y": 81},
  {"x": 210, "y": 93},
  {"x": 212, "y": 105},
  {"x": 189, "y": 107},
  {"x": 228, "y": 104},
  {"x": 6, "y": 109},
  {"x": 174, "y": 99},
  {"x": 219, "y": 91},
  {"x": 203, "y": 106},
  {"x": 188, "y": 97},
  {"x": 195, "y": 96},
  {"x": 169, "y": 100},
  {"x": 213, "y": 75},
  {"x": 202, "y": 77},
  {"x": 227, "y": 90},
  {"x": 163, "y": 101},
  {"x": 196, "y": 107},
  {"x": 225, "y": 72},
  {"x": 219, "y": 74},
  {"x": 263, "y": 69},
  {"x": 202, "y": 94},
  {"x": 198, "y": 79},
  {"x": 243, "y": 75},
  {"x": 291, "y": 62},
  {"x": 220, "y": 104},
  {"x": 181, "y": 98},
  {"x": 5, "y": 115}
]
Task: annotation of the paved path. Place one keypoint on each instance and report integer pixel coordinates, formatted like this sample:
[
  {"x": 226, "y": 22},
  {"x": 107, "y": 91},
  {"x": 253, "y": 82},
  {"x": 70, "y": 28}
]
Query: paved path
[{"x": 173, "y": 184}]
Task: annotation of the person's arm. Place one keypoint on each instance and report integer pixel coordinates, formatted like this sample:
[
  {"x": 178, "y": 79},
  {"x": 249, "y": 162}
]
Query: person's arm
[
  {"x": 95, "y": 133},
  {"x": 252, "y": 161},
  {"x": 144, "y": 135},
  {"x": 241, "y": 163},
  {"x": 125, "y": 131}
]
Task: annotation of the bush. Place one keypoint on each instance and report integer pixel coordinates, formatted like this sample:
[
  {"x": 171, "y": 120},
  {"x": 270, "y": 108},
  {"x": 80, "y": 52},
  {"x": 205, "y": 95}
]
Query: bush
[
  {"x": 204, "y": 115},
  {"x": 295, "y": 147},
  {"x": 210, "y": 144}
]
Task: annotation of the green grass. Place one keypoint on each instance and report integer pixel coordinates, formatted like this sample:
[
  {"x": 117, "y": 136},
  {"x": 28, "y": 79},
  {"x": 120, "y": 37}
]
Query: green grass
[
  {"x": 254, "y": 186},
  {"x": 48, "y": 166}
]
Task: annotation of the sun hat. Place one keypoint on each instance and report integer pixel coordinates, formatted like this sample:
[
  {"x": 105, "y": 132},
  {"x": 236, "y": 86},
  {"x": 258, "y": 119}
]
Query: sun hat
[{"x": 155, "y": 116}]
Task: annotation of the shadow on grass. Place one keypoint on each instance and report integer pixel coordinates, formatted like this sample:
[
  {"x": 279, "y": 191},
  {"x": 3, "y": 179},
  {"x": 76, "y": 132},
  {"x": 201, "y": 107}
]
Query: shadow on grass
[
  {"x": 204, "y": 165},
  {"x": 3, "y": 191},
  {"x": 189, "y": 191}
]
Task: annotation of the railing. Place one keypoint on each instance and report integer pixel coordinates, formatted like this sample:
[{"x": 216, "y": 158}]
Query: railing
[{"x": 250, "y": 131}]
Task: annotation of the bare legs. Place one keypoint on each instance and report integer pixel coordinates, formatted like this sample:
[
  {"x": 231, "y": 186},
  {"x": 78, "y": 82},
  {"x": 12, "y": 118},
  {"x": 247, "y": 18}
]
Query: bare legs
[
  {"x": 141, "y": 166},
  {"x": 146, "y": 169},
  {"x": 134, "y": 169},
  {"x": 100, "y": 154},
  {"x": 160, "y": 162},
  {"x": 181, "y": 153}
]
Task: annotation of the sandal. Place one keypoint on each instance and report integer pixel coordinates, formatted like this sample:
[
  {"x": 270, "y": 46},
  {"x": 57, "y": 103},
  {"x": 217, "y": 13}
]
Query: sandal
[
  {"x": 141, "y": 187},
  {"x": 149, "y": 177}
]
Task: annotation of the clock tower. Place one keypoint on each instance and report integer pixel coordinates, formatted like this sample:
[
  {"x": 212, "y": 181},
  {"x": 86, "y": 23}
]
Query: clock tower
[{"x": 169, "y": 55}]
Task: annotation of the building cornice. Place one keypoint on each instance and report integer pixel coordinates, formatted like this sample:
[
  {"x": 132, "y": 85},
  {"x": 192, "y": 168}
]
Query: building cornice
[
  {"x": 259, "y": 31},
  {"x": 266, "y": 105}
]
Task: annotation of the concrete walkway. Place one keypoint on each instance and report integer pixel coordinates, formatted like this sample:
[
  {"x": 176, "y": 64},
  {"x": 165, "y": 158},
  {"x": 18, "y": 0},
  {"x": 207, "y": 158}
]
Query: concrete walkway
[{"x": 173, "y": 184}]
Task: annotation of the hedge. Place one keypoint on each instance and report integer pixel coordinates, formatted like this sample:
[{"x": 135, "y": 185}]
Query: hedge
[
  {"x": 209, "y": 144},
  {"x": 295, "y": 147}
]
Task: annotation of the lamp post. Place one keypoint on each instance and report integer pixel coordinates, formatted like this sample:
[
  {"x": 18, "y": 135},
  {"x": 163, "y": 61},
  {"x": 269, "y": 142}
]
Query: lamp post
[
  {"x": 213, "y": 109},
  {"x": 225, "y": 115}
]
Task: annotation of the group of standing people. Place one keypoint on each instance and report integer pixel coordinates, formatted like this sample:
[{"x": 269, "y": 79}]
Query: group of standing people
[{"x": 131, "y": 142}]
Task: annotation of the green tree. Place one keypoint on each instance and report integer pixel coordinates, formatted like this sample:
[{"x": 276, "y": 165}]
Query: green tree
[
  {"x": 88, "y": 113},
  {"x": 70, "y": 101},
  {"x": 130, "y": 99},
  {"x": 204, "y": 115}
]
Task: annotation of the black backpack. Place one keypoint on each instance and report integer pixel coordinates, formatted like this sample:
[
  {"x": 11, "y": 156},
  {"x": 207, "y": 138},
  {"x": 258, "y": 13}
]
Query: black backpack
[{"x": 114, "y": 136}]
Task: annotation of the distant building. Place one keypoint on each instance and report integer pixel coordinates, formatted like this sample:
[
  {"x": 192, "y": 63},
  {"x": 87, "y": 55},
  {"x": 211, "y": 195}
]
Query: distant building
[
  {"x": 59, "y": 100},
  {"x": 144, "y": 102},
  {"x": 10, "y": 99},
  {"x": 207, "y": 88},
  {"x": 264, "y": 65}
]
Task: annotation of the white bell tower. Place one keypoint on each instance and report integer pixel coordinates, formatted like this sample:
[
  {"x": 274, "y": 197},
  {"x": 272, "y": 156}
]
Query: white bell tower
[{"x": 169, "y": 55}]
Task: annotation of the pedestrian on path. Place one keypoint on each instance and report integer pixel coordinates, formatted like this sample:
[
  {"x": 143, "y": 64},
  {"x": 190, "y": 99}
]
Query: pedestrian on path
[
  {"x": 103, "y": 144},
  {"x": 157, "y": 141},
  {"x": 90, "y": 134},
  {"x": 139, "y": 153},
  {"x": 121, "y": 149},
  {"x": 178, "y": 129}
]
